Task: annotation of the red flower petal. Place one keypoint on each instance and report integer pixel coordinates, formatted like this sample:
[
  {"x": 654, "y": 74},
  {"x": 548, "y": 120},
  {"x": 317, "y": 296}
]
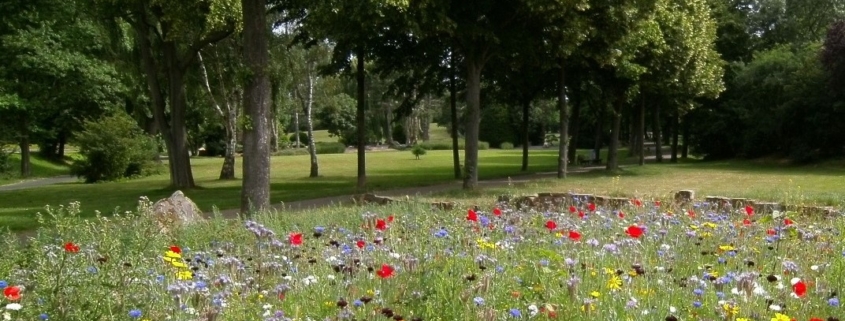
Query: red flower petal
[
  {"x": 657, "y": 203},
  {"x": 787, "y": 221},
  {"x": 295, "y": 238},
  {"x": 360, "y": 244},
  {"x": 638, "y": 203},
  {"x": 746, "y": 222},
  {"x": 386, "y": 271},
  {"x": 551, "y": 225},
  {"x": 497, "y": 212},
  {"x": 12, "y": 293},
  {"x": 390, "y": 219},
  {"x": 634, "y": 231},
  {"x": 175, "y": 249},
  {"x": 572, "y": 209},
  {"x": 591, "y": 207},
  {"x": 800, "y": 289},
  {"x": 581, "y": 214},
  {"x": 771, "y": 232},
  {"x": 574, "y": 235},
  {"x": 71, "y": 248},
  {"x": 691, "y": 213},
  {"x": 381, "y": 225},
  {"x": 621, "y": 214},
  {"x": 472, "y": 216},
  {"x": 749, "y": 210}
]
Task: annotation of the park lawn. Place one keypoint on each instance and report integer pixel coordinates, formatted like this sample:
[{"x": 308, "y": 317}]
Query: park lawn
[
  {"x": 40, "y": 168},
  {"x": 820, "y": 184},
  {"x": 290, "y": 182}
]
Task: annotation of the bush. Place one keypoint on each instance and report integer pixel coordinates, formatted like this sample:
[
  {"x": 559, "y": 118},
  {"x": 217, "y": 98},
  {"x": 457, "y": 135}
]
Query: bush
[
  {"x": 303, "y": 138},
  {"x": 418, "y": 151},
  {"x": 291, "y": 152},
  {"x": 113, "y": 147},
  {"x": 6, "y": 164},
  {"x": 506, "y": 145},
  {"x": 448, "y": 146},
  {"x": 330, "y": 148}
]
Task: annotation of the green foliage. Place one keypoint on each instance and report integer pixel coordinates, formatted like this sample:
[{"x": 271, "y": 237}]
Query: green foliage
[
  {"x": 113, "y": 148},
  {"x": 303, "y": 138},
  {"x": 418, "y": 151},
  {"x": 506, "y": 145},
  {"x": 330, "y": 148}
]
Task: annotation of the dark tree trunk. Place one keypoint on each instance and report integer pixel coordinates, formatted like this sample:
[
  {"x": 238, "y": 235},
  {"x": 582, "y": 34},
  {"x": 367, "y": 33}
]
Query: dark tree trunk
[
  {"x": 255, "y": 194},
  {"x": 634, "y": 133},
  {"x": 685, "y": 128},
  {"x": 178, "y": 156},
  {"x": 675, "y": 134},
  {"x": 228, "y": 169},
  {"x": 453, "y": 108},
  {"x": 62, "y": 142},
  {"x": 26, "y": 164},
  {"x": 600, "y": 129},
  {"x": 526, "y": 107},
  {"x": 658, "y": 142},
  {"x": 613, "y": 149},
  {"x": 474, "y": 67},
  {"x": 641, "y": 130},
  {"x": 360, "y": 123},
  {"x": 576, "y": 126},
  {"x": 563, "y": 145}
]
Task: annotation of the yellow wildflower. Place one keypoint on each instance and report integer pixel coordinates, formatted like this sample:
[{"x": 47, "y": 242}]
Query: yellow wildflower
[
  {"x": 743, "y": 319},
  {"x": 781, "y": 317},
  {"x": 584, "y": 307},
  {"x": 614, "y": 283},
  {"x": 730, "y": 309},
  {"x": 184, "y": 275},
  {"x": 595, "y": 294},
  {"x": 726, "y": 248},
  {"x": 709, "y": 224},
  {"x": 609, "y": 271}
]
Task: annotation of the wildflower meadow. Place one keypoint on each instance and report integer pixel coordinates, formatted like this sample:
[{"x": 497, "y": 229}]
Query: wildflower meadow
[{"x": 646, "y": 261}]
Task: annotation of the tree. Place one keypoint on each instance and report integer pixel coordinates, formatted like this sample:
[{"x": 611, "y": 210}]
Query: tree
[
  {"x": 168, "y": 37},
  {"x": 255, "y": 194},
  {"x": 303, "y": 64},
  {"x": 226, "y": 65}
]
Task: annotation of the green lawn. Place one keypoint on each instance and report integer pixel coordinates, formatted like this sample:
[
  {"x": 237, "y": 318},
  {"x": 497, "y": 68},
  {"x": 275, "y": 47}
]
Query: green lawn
[
  {"x": 289, "y": 182},
  {"x": 821, "y": 184},
  {"x": 40, "y": 168}
]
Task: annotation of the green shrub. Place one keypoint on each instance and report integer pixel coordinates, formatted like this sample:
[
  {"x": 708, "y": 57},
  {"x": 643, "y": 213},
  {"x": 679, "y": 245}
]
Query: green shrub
[
  {"x": 291, "y": 152},
  {"x": 303, "y": 138},
  {"x": 418, "y": 151},
  {"x": 330, "y": 148},
  {"x": 113, "y": 147},
  {"x": 448, "y": 146},
  {"x": 506, "y": 145},
  {"x": 6, "y": 164},
  {"x": 483, "y": 145}
]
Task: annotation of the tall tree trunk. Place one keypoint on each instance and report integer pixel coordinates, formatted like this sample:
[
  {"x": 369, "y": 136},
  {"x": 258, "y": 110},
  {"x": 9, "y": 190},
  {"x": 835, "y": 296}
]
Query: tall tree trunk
[
  {"x": 564, "y": 122},
  {"x": 675, "y": 134},
  {"x": 178, "y": 155},
  {"x": 600, "y": 120},
  {"x": 388, "y": 124},
  {"x": 613, "y": 149},
  {"x": 526, "y": 108},
  {"x": 26, "y": 164},
  {"x": 658, "y": 142},
  {"x": 296, "y": 128},
  {"x": 62, "y": 142},
  {"x": 685, "y": 128},
  {"x": 360, "y": 123},
  {"x": 309, "y": 119},
  {"x": 474, "y": 67},
  {"x": 634, "y": 133},
  {"x": 425, "y": 120},
  {"x": 453, "y": 109},
  {"x": 227, "y": 171},
  {"x": 641, "y": 130},
  {"x": 576, "y": 126},
  {"x": 255, "y": 194}
]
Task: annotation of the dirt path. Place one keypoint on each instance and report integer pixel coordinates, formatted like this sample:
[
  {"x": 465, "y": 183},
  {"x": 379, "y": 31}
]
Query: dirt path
[{"x": 39, "y": 182}]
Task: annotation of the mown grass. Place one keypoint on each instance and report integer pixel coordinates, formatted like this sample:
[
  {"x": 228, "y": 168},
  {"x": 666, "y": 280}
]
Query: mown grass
[
  {"x": 40, "y": 168},
  {"x": 289, "y": 179}
]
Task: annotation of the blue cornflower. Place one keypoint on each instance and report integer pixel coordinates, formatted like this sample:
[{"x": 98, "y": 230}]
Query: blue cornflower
[
  {"x": 478, "y": 301},
  {"x": 697, "y": 304},
  {"x": 3, "y": 284},
  {"x": 834, "y": 302},
  {"x": 544, "y": 262},
  {"x": 516, "y": 313},
  {"x": 319, "y": 229},
  {"x": 358, "y": 303},
  {"x": 441, "y": 233},
  {"x": 698, "y": 291},
  {"x": 43, "y": 316},
  {"x": 135, "y": 313}
]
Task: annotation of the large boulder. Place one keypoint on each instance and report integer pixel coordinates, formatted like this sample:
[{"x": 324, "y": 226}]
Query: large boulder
[{"x": 175, "y": 211}]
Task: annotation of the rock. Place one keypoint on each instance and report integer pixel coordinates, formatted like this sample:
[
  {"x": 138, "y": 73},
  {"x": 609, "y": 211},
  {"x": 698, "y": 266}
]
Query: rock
[
  {"x": 684, "y": 196},
  {"x": 446, "y": 206},
  {"x": 371, "y": 198},
  {"x": 176, "y": 211},
  {"x": 765, "y": 207}
]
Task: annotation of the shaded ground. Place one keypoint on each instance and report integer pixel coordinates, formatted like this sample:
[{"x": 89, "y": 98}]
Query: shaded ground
[{"x": 39, "y": 182}]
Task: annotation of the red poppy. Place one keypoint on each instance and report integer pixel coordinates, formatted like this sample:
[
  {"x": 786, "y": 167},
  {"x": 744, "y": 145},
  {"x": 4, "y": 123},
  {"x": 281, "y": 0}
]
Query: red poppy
[
  {"x": 12, "y": 293},
  {"x": 381, "y": 225},
  {"x": 572, "y": 209},
  {"x": 816, "y": 319},
  {"x": 691, "y": 213},
  {"x": 638, "y": 203},
  {"x": 749, "y": 210},
  {"x": 771, "y": 232},
  {"x": 621, "y": 214},
  {"x": 634, "y": 231},
  {"x": 390, "y": 219},
  {"x": 574, "y": 235},
  {"x": 385, "y": 272},
  {"x": 295, "y": 238},
  {"x": 581, "y": 214},
  {"x": 360, "y": 244},
  {"x": 591, "y": 207},
  {"x": 657, "y": 203},
  {"x": 787, "y": 222},
  {"x": 471, "y": 216},
  {"x": 551, "y": 225},
  {"x": 799, "y": 288},
  {"x": 175, "y": 249},
  {"x": 497, "y": 212},
  {"x": 746, "y": 222},
  {"x": 71, "y": 248}
]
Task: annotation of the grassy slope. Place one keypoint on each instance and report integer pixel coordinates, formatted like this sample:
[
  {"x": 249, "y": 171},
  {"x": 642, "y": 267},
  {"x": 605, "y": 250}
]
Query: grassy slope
[
  {"x": 289, "y": 181},
  {"x": 40, "y": 168}
]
